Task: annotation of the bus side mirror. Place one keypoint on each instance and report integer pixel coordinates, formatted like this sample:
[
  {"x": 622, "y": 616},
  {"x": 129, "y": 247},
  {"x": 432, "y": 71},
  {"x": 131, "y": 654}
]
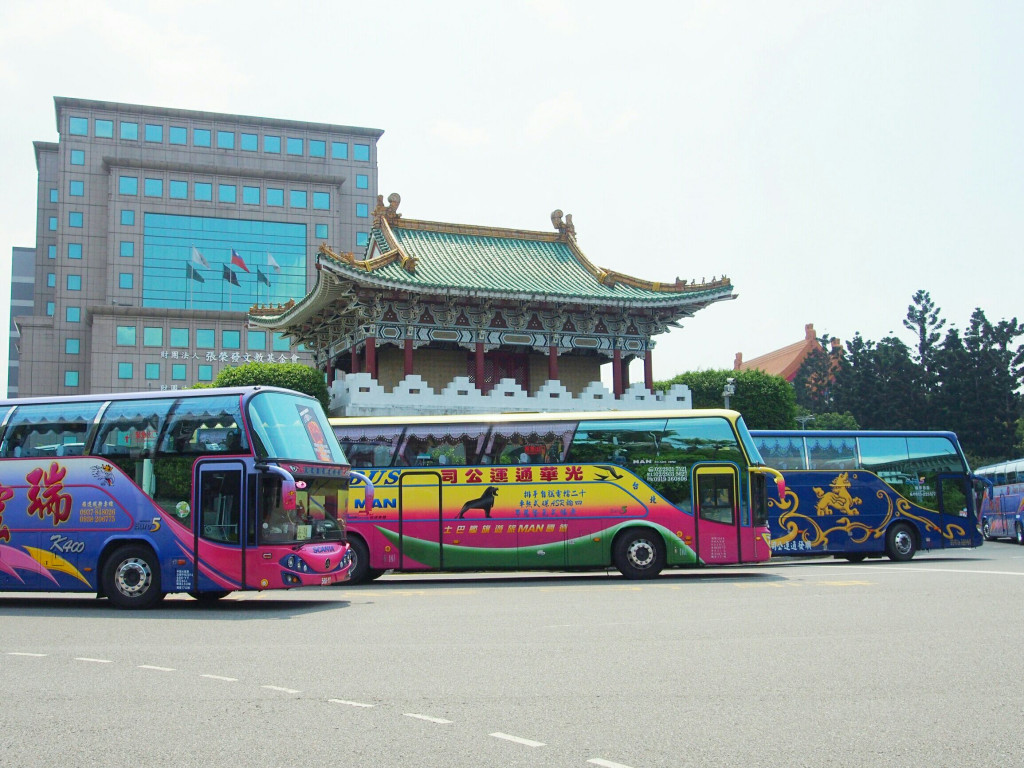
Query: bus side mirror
[
  {"x": 367, "y": 488},
  {"x": 287, "y": 486}
]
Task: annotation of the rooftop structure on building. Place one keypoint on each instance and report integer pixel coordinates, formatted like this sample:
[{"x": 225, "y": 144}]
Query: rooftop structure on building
[
  {"x": 786, "y": 361},
  {"x": 158, "y": 228},
  {"x": 432, "y": 316}
]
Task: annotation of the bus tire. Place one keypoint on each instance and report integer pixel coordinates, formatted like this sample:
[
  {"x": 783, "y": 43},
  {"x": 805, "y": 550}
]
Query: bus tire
[
  {"x": 359, "y": 554},
  {"x": 986, "y": 530},
  {"x": 131, "y": 577},
  {"x": 900, "y": 542},
  {"x": 639, "y": 553},
  {"x": 1018, "y": 533}
]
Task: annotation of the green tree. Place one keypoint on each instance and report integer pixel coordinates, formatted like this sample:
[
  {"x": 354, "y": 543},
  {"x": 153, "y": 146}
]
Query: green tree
[
  {"x": 924, "y": 319},
  {"x": 833, "y": 420},
  {"x": 296, "y": 376},
  {"x": 766, "y": 401}
]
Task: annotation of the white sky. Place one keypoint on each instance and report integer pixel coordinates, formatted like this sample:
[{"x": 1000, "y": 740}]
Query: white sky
[{"x": 830, "y": 157}]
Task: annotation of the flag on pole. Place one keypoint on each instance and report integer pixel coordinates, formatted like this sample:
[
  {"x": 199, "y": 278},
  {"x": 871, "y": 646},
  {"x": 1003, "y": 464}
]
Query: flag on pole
[
  {"x": 237, "y": 261},
  {"x": 191, "y": 273},
  {"x": 198, "y": 258},
  {"x": 230, "y": 276},
  {"x": 262, "y": 278},
  {"x": 271, "y": 263}
]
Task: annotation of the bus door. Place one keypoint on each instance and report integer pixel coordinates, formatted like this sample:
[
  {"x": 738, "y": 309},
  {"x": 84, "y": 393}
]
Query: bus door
[
  {"x": 420, "y": 520},
  {"x": 716, "y": 514},
  {"x": 220, "y": 512},
  {"x": 956, "y": 507}
]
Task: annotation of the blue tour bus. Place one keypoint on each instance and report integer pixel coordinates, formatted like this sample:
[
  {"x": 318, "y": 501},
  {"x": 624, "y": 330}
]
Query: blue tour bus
[
  {"x": 857, "y": 494},
  {"x": 1002, "y": 510}
]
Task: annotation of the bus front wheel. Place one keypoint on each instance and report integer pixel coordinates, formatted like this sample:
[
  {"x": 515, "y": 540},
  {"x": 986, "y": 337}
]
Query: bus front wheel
[
  {"x": 361, "y": 570},
  {"x": 639, "y": 554},
  {"x": 900, "y": 544},
  {"x": 131, "y": 577},
  {"x": 1019, "y": 534},
  {"x": 986, "y": 530}
]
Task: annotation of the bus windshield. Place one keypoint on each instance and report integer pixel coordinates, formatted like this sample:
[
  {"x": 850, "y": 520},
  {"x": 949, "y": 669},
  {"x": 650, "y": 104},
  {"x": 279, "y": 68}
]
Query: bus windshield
[{"x": 293, "y": 427}]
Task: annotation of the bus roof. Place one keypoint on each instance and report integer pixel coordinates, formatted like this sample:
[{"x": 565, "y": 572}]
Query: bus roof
[
  {"x": 852, "y": 433},
  {"x": 147, "y": 395},
  {"x": 501, "y": 418}
]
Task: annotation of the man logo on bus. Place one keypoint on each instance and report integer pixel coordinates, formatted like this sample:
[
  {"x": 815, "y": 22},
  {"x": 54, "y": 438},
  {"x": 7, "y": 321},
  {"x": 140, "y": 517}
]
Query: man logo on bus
[
  {"x": 484, "y": 503},
  {"x": 838, "y": 500}
]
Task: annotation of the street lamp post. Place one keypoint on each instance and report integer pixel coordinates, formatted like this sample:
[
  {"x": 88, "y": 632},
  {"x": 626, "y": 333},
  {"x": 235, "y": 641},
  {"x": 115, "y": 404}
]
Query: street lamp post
[
  {"x": 729, "y": 390},
  {"x": 802, "y": 420}
]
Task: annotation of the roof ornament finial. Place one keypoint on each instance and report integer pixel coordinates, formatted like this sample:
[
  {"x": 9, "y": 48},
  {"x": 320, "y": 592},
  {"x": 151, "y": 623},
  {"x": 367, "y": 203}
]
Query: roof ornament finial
[
  {"x": 388, "y": 212},
  {"x": 565, "y": 227}
]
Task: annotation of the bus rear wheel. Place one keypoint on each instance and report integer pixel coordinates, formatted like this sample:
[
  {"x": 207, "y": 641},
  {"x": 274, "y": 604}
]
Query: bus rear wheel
[
  {"x": 359, "y": 554},
  {"x": 131, "y": 577},
  {"x": 639, "y": 554},
  {"x": 1019, "y": 534},
  {"x": 900, "y": 544},
  {"x": 986, "y": 530}
]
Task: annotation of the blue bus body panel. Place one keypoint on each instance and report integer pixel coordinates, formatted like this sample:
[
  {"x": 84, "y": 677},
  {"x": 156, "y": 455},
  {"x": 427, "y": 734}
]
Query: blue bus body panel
[{"x": 849, "y": 512}]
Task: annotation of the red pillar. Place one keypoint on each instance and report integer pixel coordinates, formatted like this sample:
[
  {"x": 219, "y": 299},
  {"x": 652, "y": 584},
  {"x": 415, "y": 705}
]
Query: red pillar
[
  {"x": 371, "y": 356},
  {"x": 553, "y": 362},
  {"x": 648, "y": 372},
  {"x": 625, "y": 372},
  {"x": 617, "y": 373},
  {"x": 408, "y": 357},
  {"x": 355, "y": 360},
  {"x": 479, "y": 360}
]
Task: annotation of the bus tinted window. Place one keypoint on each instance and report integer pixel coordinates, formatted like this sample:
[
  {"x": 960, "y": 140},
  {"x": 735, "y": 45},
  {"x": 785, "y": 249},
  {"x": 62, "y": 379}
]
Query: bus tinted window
[
  {"x": 782, "y": 451},
  {"x": 204, "y": 425},
  {"x": 529, "y": 443},
  {"x": 370, "y": 446},
  {"x": 52, "y": 429},
  {"x": 831, "y": 452},
  {"x": 437, "y": 445},
  {"x": 291, "y": 425}
]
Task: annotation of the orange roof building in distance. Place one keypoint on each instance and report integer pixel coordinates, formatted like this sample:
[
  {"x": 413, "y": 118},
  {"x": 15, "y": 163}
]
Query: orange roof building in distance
[{"x": 784, "y": 362}]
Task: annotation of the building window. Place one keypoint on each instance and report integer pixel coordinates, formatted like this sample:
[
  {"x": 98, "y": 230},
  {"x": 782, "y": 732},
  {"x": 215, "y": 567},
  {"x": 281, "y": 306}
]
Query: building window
[
  {"x": 127, "y": 248},
  {"x": 294, "y": 146},
  {"x": 178, "y": 372},
  {"x": 362, "y": 238},
  {"x": 152, "y": 371},
  {"x": 206, "y": 373},
  {"x": 74, "y": 282},
  {"x": 362, "y": 181},
  {"x": 225, "y": 139},
  {"x": 51, "y": 280},
  {"x": 249, "y": 142},
  {"x": 361, "y": 152},
  {"x": 322, "y": 201},
  {"x": 76, "y": 188},
  {"x": 70, "y": 378},
  {"x": 177, "y": 134},
  {"x": 49, "y": 309},
  {"x": 202, "y": 191},
  {"x": 125, "y": 280},
  {"x": 251, "y": 195},
  {"x": 317, "y": 148},
  {"x": 339, "y": 150},
  {"x": 272, "y": 144},
  {"x": 128, "y": 185},
  {"x": 51, "y": 251},
  {"x": 297, "y": 198},
  {"x": 74, "y": 250},
  {"x": 206, "y": 338},
  {"x": 275, "y": 198},
  {"x": 125, "y": 370},
  {"x": 154, "y": 134},
  {"x": 231, "y": 339},
  {"x": 281, "y": 343},
  {"x": 75, "y": 219},
  {"x": 103, "y": 129},
  {"x": 179, "y": 337},
  {"x": 72, "y": 346},
  {"x": 78, "y": 126},
  {"x": 130, "y": 131},
  {"x": 362, "y": 210},
  {"x": 321, "y": 231},
  {"x": 53, "y": 195},
  {"x": 226, "y": 193},
  {"x": 125, "y": 336},
  {"x": 152, "y": 336},
  {"x": 73, "y": 314},
  {"x": 178, "y": 189},
  {"x": 200, "y": 137},
  {"x": 127, "y": 218},
  {"x": 52, "y": 223},
  {"x": 78, "y": 157},
  {"x": 154, "y": 188},
  {"x": 256, "y": 340}
]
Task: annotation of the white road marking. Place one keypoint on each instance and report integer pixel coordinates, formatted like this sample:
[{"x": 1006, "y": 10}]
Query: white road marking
[
  {"x": 218, "y": 677},
  {"x": 278, "y": 688},
  {"x": 24, "y": 653},
  {"x": 429, "y": 719},
  {"x": 518, "y": 740},
  {"x": 158, "y": 669},
  {"x": 606, "y": 763},
  {"x": 94, "y": 661},
  {"x": 915, "y": 569},
  {"x": 349, "y": 703}
]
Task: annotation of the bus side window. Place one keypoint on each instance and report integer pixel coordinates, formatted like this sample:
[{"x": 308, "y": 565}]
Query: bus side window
[{"x": 220, "y": 497}]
